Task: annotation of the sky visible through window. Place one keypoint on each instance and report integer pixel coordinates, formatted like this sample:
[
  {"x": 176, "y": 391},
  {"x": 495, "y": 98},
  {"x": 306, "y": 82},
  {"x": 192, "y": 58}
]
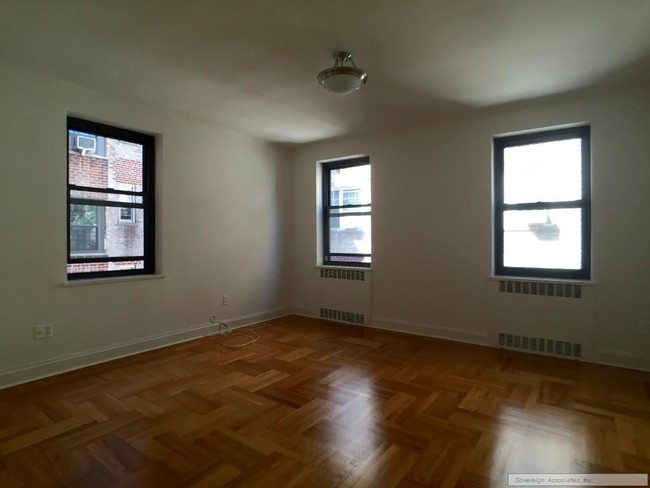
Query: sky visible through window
[
  {"x": 351, "y": 186},
  {"x": 544, "y": 172}
]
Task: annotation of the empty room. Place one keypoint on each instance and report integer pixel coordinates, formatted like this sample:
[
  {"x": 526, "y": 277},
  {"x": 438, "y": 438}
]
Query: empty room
[{"x": 324, "y": 243}]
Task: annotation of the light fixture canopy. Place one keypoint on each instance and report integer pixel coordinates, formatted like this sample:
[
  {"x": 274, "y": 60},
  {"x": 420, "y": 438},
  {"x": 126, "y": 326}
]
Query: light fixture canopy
[{"x": 341, "y": 79}]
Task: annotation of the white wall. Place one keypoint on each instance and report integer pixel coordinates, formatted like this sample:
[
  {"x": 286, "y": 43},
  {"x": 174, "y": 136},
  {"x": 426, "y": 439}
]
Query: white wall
[
  {"x": 432, "y": 230},
  {"x": 223, "y": 225},
  {"x": 236, "y": 218}
]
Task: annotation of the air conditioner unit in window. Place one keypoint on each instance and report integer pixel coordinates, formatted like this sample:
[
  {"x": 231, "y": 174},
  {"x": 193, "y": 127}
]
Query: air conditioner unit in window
[{"x": 85, "y": 144}]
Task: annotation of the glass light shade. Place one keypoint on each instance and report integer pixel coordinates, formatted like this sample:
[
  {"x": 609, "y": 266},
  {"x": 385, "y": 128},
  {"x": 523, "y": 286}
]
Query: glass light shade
[{"x": 342, "y": 79}]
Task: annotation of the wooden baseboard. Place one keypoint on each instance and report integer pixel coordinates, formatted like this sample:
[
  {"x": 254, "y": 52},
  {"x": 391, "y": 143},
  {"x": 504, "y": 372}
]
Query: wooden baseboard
[
  {"x": 428, "y": 330},
  {"x": 621, "y": 359},
  {"x": 69, "y": 362}
]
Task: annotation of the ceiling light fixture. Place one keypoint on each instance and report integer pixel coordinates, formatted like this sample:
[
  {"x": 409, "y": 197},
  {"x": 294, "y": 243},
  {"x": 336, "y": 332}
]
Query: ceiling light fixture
[{"x": 342, "y": 79}]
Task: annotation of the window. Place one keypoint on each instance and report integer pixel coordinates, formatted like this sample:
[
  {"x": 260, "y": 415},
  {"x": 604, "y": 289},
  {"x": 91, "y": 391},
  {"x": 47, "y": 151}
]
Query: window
[
  {"x": 86, "y": 229},
  {"x": 352, "y": 197},
  {"x": 347, "y": 213},
  {"x": 127, "y": 215},
  {"x": 542, "y": 204},
  {"x": 110, "y": 183}
]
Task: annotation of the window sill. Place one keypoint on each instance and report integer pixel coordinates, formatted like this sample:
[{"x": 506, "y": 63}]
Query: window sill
[
  {"x": 117, "y": 279},
  {"x": 542, "y": 280}
]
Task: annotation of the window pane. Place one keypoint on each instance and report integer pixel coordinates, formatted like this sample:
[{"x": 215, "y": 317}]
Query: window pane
[
  {"x": 85, "y": 225},
  {"x": 111, "y": 164},
  {"x": 545, "y": 172},
  {"x": 350, "y": 234},
  {"x": 353, "y": 183},
  {"x": 542, "y": 238},
  {"x": 124, "y": 240},
  {"x": 103, "y": 231}
]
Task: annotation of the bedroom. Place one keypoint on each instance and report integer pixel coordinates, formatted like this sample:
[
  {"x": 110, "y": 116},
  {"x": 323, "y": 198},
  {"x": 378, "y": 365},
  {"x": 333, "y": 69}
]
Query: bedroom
[{"x": 241, "y": 128}]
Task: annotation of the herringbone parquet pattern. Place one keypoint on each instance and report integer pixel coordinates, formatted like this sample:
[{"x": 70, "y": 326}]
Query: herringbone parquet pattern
[{"x": 317, "y": 404}]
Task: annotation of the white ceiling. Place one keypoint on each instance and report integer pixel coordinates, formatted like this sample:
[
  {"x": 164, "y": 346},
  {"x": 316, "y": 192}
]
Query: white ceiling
[{"x": 252, "y": 64}]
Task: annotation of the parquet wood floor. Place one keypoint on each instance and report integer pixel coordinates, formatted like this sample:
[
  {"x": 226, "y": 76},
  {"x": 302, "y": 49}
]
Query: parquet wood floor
[{"x": 316, "y": 404}]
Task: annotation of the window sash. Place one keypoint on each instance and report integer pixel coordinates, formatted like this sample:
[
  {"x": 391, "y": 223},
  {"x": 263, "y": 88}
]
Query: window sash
[
  {"x": 146, "y": 194},
  {"x": 336, "y": 207},
  {"x": 112, "y": 191},
  {"x": 349, "y": 214},
  {"x": 499, "y": 207},
  {"x": 331, "y": 212}
]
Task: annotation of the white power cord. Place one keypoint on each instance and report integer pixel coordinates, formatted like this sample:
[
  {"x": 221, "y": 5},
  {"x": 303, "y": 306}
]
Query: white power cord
[{"x": 224, "y": 330}]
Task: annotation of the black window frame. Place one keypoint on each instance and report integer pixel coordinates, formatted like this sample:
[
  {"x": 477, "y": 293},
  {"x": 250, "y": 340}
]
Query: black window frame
[
  {"x": 147, "y": 194},
  {"x": 582, "y": 132},
  {"x": 327, "y": 168}
]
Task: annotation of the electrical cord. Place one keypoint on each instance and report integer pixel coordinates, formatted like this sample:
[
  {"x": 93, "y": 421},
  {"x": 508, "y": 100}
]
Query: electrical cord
[{"x": 250, "y": 335}]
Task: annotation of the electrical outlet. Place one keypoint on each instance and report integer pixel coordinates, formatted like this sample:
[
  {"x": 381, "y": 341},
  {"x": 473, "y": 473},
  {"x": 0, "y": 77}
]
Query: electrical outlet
[
  {"x": 226, "y": 299},
  {"x": 43, "y": 331},
  {"x": 644, "y": 326}
]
